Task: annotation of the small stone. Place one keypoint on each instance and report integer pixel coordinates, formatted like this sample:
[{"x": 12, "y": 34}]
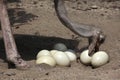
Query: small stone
[{"x": 94, "y": 7}]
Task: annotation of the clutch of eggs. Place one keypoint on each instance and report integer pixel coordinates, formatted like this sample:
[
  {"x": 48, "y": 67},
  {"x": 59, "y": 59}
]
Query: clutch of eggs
[
  {"x": 54, "y": 57},
  {"x": 62, "y": 56}
]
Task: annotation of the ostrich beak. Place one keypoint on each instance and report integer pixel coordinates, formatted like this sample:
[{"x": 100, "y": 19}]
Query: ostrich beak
[{"x": 95, "y": 42}]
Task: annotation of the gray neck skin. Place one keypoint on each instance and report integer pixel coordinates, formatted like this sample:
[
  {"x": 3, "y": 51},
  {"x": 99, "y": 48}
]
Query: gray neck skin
[{"x": 80, "y": 29}]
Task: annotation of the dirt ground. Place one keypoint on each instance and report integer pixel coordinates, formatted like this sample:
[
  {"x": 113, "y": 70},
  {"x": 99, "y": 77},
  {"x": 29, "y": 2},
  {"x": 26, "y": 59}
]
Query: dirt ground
[{"x": 36, "y": 27}]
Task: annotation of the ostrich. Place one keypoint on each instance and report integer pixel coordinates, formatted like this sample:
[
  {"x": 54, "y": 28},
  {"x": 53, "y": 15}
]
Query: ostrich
[{"x": 94, "y": 35}]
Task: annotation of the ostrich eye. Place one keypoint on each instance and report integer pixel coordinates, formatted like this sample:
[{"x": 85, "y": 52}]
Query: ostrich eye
[{"x": 102, "y": 38}]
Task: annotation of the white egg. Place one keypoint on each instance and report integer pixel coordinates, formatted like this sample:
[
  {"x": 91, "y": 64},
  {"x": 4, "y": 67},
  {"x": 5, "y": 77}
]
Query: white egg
[
  {"x": 71, "y": 55},
  {"x": 99, "y": 58},
  {"x": 85, "y": 58},
  {"x": 46, "y": 60},
  {"x": 43, "y": 53},
  {"x": 60, "y": 47},
  {"x": 61, "y": 58},
  {"x": 52, "y": 52},
  {"x": 70, "y": 50}
]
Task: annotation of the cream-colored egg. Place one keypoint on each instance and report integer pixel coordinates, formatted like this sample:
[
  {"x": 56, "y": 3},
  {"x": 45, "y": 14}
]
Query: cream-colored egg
[
  {"x": 99, "y": 58},
  {"x": 60, "y": 47},
  {"x": 85, "y": 58},
  {"x": 43, "y": 53},
  {"x": 52, "y": 52},
  {"x": 46, "y": 60},
  {"x": 61, "y": 58},
  {"x": 71, "y": 55}
]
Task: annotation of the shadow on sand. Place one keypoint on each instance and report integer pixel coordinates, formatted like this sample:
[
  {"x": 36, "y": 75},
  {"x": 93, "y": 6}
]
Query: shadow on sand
[{"x": 29, "y": 45}]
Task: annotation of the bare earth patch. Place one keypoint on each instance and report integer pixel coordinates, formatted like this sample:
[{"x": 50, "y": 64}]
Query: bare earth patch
[{"x": 36, "y": 27}]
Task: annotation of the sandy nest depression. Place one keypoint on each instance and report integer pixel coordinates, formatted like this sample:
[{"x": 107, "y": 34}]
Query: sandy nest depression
[{"x": 36, "y": 27}]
